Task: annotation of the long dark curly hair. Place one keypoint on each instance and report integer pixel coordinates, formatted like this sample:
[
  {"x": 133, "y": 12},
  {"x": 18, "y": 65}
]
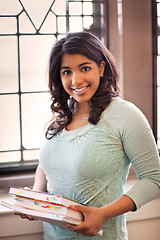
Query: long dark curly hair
[{"x": 90, "y": 46}]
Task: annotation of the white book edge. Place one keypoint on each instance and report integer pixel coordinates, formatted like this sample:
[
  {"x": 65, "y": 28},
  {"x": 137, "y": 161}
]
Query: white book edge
[
  {"x": 48, "y": 207},
  {"x": 46, "y": 217}
]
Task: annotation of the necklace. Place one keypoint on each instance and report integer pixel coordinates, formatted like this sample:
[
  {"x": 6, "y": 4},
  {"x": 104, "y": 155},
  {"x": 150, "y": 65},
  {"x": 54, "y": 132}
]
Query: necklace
[{"x": 85, "y": 119}]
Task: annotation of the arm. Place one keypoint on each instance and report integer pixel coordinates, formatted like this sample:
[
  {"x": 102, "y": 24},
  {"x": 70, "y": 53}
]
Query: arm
[
  {"x": 140, "y": 148},
  {"x": 92, "y": 225},
  {"x": 40, "y": 180},
  {"x": 39, "y": 185}
]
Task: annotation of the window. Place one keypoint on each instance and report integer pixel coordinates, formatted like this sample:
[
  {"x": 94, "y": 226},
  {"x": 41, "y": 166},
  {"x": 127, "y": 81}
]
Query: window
[
  {"x": 156, "y": 69},
  {"x": 28, "y": 29},
  {"x": 158, "y": 73}
]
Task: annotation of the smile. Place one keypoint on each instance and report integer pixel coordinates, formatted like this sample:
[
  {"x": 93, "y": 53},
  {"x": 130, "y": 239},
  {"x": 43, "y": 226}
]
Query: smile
[{"x": 79, "y": 89}]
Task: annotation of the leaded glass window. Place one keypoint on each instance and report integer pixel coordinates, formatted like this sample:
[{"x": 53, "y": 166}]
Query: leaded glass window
[{"x": 28, "y": 29}]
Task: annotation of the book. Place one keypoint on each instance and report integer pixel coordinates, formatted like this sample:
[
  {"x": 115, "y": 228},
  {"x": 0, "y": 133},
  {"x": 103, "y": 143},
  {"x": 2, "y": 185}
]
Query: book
[
  {"x": 46, "y": 207},
  {"x": 42, "y": 196},
  {"x": 53, "y": 218},
  {"x": 43, "y": 206}
]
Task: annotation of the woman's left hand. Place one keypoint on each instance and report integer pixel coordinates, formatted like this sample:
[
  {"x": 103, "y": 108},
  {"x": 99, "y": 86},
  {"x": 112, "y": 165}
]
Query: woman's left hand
[{"x": 93, "y": 220}]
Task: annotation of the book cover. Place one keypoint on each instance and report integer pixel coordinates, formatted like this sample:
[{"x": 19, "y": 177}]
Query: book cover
[{"x": 42, "y": 196}]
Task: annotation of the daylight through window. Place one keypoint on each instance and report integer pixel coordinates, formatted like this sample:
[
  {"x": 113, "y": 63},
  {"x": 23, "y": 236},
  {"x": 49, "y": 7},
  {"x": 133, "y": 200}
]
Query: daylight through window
[{"x": 28, "y": 29}]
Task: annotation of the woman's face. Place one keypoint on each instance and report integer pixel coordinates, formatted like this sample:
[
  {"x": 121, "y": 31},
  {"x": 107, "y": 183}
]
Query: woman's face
[{"x": 80, "y": 76}]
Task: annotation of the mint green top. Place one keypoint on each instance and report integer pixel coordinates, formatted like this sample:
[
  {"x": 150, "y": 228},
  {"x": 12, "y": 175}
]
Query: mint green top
[{"x": 91, "y": 164}]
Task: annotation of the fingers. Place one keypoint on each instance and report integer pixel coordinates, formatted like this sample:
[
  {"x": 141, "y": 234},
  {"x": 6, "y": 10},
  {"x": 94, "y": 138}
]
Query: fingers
[
  {"x": 83, "y": 229},
  {"x": 93, "y": 221},
  {"x": 25, "y": 216},
  {"x": 79, "y": 208}
]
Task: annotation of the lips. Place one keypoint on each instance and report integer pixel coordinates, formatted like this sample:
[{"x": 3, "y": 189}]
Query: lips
[{"x": 80, "y": 90}]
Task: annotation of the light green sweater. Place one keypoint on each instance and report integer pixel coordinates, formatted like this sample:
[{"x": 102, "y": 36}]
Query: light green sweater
[{"x": 91, "y": 164}]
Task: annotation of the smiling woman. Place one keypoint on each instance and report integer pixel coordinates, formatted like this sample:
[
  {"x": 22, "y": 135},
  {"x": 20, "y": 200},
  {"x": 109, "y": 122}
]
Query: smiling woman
[
  {"x": 89, "y": 161},
  {"x": 80, "y": 76},
  {"x": 83, "y": 70}
]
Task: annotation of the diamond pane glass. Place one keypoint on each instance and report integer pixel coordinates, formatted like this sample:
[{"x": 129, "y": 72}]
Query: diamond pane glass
[
  {"x": 49, "y": 26},
  {"x": 87, "y": 22},
  {"x": 158, "y": 45},
  {"x": 158, "y": 9},
  {"x": 75, "y": 24},
  {"x": 59, "y": 7},
  {"x": 34, "y": 66},
  {"x": 25, "y": 25},
  {"x": 35, "y": 114},
  {"x": 9, "y": 120},
  {"x": 28, "y": 30},
  {"x": 158, "y": 21},
  {"x": 75, "y": 8},
  {"x": 87, "y": 8},
  {"x": 9, "y": 65},
  {"x": 37, "y": 10},
  {"x": 61, "y": 24},
  {"x": 6, "y": 157},
  {"x": 10, "y": 7},
  {"x": 8, "y": 25},
  {"x": 29, "y": 155}
]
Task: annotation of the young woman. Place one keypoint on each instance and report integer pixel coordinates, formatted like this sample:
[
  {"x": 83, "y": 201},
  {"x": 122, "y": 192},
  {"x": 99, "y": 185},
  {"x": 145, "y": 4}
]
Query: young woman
[{"x": 92, "y": 142}]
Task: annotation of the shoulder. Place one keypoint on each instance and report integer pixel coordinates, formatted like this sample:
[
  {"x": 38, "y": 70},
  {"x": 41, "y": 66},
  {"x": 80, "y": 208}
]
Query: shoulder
[
  {"x": 130, "y": 113},
  {"x": 124, "y": 117},
  {"x": 122, "y": 109}
]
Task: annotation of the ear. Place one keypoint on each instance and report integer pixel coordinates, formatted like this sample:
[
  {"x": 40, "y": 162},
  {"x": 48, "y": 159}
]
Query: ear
[{"x": 102, "y": 68}]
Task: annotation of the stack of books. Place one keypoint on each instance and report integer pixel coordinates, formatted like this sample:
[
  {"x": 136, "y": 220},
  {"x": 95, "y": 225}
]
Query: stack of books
[{"x": 50, "y": 208}]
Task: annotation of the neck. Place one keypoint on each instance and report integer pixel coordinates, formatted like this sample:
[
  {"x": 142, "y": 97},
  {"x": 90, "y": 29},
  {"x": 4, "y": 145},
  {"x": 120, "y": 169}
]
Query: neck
[
  {"x": 83, "y": 108},
  {"x": 81, "y": 111}
]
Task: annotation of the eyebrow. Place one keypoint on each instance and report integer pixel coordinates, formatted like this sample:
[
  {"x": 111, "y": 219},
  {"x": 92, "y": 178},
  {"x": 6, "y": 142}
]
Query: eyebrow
[{"x": 80, "y": 65}]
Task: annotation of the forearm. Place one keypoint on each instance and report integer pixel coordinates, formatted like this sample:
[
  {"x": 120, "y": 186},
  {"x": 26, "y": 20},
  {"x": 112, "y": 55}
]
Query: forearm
[
  {"x": 39, "y": 185},
  {"x": 120, "y": 206},
  {"x": 40, "y": 181},
  {"x": 94, "y": 218}
]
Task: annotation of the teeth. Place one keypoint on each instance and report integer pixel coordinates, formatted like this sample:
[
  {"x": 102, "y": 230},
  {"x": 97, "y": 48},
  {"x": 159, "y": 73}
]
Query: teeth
[{"x": 80, "y": 89}]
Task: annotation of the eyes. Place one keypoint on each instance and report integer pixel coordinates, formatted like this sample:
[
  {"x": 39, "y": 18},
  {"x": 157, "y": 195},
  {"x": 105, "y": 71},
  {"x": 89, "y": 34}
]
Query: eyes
[
  {"x": 86, "y": 68},
  {"x": 68, "y": 71}
]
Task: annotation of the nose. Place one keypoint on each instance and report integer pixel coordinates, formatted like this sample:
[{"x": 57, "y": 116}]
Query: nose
[{"x": 76, "y": 79}]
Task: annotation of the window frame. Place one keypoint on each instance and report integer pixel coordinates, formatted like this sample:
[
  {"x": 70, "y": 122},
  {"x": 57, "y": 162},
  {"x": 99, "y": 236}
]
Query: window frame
[
  {"x": 155, "y": 34},
  {"x": 27, "y": 166},
  {"x": 154, "y": 62}
]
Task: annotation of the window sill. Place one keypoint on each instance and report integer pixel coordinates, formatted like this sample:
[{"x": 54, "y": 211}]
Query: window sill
[
  {"x": 10, "y": 168},
  {"x": 20, "y": 179}
]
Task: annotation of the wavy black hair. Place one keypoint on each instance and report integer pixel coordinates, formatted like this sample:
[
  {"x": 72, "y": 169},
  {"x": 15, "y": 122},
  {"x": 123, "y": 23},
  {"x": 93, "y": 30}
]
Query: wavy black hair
[{"x": 90, "y": 46}]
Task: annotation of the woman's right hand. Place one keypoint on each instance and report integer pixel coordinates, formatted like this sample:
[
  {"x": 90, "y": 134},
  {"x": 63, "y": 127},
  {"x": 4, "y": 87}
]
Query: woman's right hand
[{"x": 25, "y": 216}]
